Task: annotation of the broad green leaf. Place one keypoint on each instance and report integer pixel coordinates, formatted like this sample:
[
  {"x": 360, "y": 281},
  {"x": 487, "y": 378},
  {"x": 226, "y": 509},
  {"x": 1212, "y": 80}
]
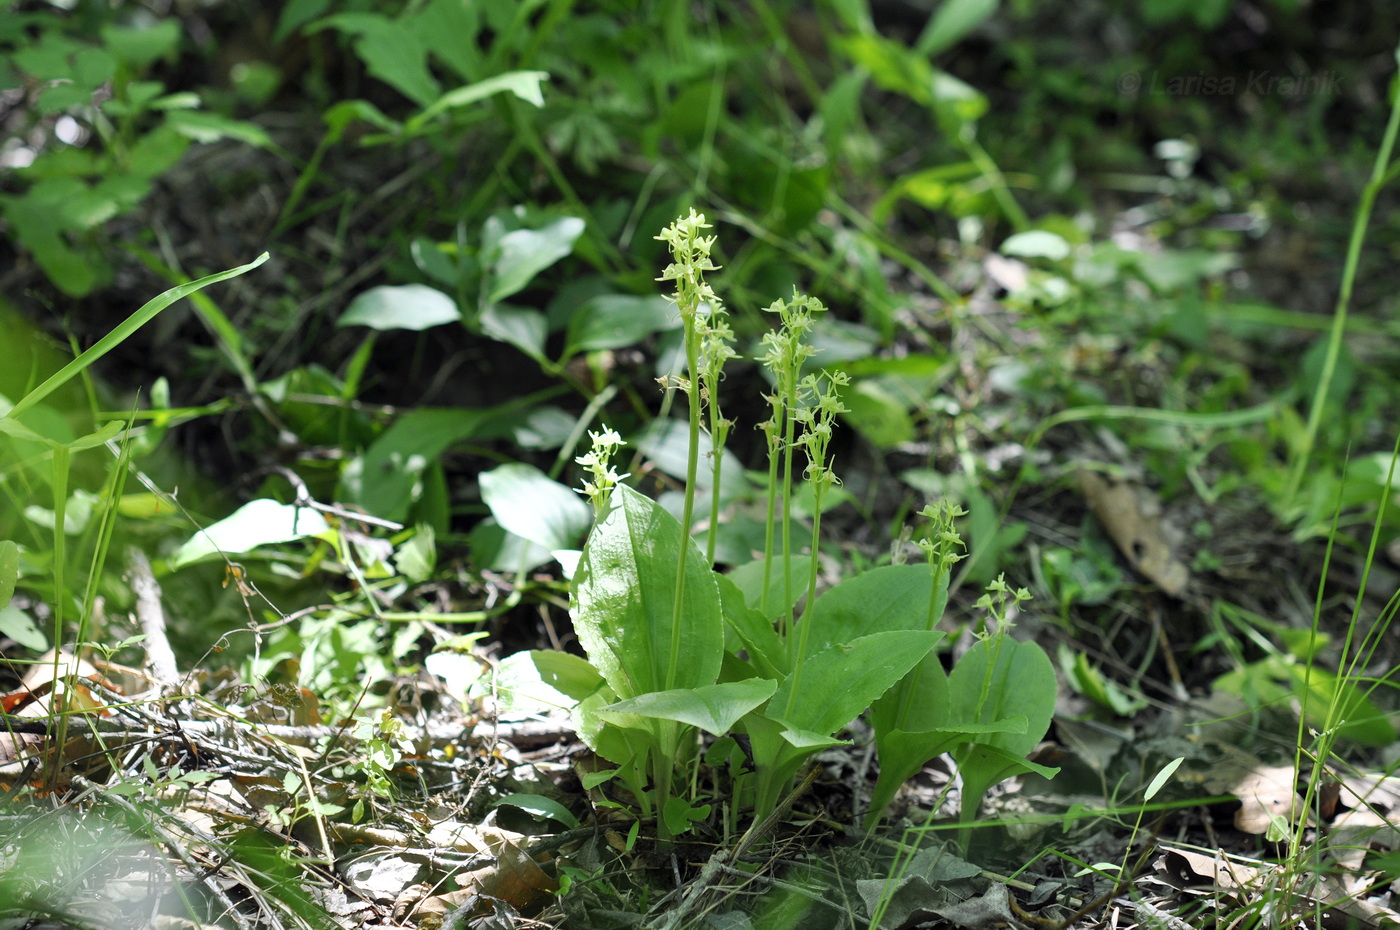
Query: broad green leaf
[
  {"x": 406, "y": 306},
  {"x": 612, "y": 321},
  {"x": 624, "y": 601},
  {"x": 141, "y": 47},
  {"x": 9, "y": 570},
  {"x": 533, "y": 506},
  {"x": 416, "y": 558},
  {"x": 832, "y": 687},
  {"x": 999, "y": 678},
  {"x": 294, "y": 15},
  {"x": 521, "y": 327},
  {"x": 450, "y": 30},
  {"x": 892, "y": 66},
  {"x": 755, "y": 633},
  {"x": 523, "y": 253},
  {"x": 680, "y": 815},
  {"x": 493, "y": 547},
  {"x": 713, "y": 708},
  {"x": 523, "y": 84},
  {"x": 877, "y": 414},
  {"x": 891, "y": 598},
  {"x": 1327, "y": 698},
  {"x": 257, "y": 523},
  {"x": 666, "y": 441},
  {"x": 39, "y": 227}
]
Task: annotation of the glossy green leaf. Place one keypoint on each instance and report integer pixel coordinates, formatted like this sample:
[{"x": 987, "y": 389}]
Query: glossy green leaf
[
  {"x": 257, "y": 523},
  {"x": 20, "y": 627},
  {"x": 755, "y": 633},
  {"x": 713, "y": 708},
  {"x": 543, "y": 680},
  {"x": 887, "y": 599},
  {"x": 405, "y": 306},
  {"x": 999, "y": 678},
  {"x": 624, "y": 601},
  {"x": 832, "y": 687}
]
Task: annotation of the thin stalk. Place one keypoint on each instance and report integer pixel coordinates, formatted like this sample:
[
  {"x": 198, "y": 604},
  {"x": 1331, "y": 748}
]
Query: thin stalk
[
  {"x": 1339, "y": 318},
  {"x": 692, "y": 468},
  {"x": 770, "y": 521},
  {"x": 789, "y": 429},
  {"x": 818, "y": 492}
]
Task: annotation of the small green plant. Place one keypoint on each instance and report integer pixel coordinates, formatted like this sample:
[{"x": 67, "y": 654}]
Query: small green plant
[
  {"x": 120, "y": 131},
  {"x": 674, "y": 647}
]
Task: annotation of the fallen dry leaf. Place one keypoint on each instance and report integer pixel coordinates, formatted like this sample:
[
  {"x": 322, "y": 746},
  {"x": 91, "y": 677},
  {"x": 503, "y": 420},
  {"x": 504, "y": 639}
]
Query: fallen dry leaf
[{"x": 1132, "y": 517}]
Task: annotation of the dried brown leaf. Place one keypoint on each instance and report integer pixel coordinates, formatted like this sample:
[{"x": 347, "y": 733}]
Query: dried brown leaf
[{"x": 1132, "y": 517}]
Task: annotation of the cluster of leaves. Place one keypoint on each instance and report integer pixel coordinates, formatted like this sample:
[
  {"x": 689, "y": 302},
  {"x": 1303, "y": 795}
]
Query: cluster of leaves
[{"x": 540, "y": 256}]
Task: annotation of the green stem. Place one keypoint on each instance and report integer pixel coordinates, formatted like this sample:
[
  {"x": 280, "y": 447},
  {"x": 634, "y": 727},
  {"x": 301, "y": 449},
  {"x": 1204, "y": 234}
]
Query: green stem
[
  {"x": 789, "y": 428},
  {"x": 692, "y": 467},
  {"x": 1339, "y": 318},
  {"x": 770, "y": 525},
  {"x": 818, "y": 492}
]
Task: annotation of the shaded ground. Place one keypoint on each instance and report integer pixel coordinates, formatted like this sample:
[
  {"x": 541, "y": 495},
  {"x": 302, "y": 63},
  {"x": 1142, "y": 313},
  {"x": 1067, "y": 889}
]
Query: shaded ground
[{"x": 1158, "y": 577}]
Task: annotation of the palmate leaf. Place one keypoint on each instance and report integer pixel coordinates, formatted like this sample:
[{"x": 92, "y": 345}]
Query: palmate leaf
[{"x": 624, "y": 599}]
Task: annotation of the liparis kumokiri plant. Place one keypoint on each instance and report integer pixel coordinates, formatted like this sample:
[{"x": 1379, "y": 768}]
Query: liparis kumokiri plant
[{"x": 675, "y": 647}]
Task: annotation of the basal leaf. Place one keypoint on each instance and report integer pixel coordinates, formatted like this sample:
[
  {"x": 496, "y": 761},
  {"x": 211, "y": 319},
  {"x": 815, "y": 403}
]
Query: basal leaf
[
  {"x": 539, "y": 681},
  {"x": 756, "y": 634},
  {"x": 624, "y": 600},
  {"x": 892, "y": 598},
  {"x": 831, "y": 688},
  {"x": 1016, "y": 678},
  {"x": 713, "y": 708}
]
